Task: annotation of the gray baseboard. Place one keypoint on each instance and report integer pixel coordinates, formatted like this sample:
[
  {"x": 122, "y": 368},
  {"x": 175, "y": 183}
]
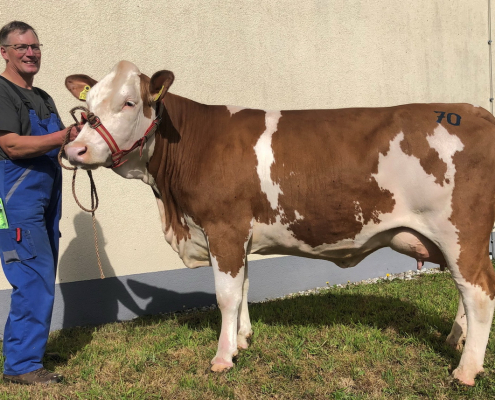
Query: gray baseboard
[{"x": 100, "y": 301}]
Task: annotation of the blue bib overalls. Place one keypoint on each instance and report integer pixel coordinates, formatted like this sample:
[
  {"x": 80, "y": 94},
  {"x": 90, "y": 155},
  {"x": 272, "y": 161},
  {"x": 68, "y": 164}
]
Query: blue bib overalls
[{"x": 31, "y": 192}]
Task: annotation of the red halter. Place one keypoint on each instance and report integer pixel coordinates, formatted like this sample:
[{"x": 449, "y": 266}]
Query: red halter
[{"x": 117, "y": 154}]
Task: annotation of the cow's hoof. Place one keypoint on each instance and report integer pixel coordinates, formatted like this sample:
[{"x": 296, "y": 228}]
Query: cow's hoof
[
  {"x": 456, "y": 344},
  {"x": 242, "y": 344},
  {"x": 465, "y": 377},
  {"x": 219, "y": 364},
  {"x": 220, "y": 367},
  {"x": 243, "y": 340}
]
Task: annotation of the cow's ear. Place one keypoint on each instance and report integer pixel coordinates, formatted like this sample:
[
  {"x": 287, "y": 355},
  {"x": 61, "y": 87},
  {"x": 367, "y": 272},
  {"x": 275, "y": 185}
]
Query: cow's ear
[
  {"x": 79, "y": 85},
  {"x": 160, "y": 83}
]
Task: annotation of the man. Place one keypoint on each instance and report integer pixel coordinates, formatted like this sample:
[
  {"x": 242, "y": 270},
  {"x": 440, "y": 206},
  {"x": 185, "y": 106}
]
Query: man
[{"x": 30, "y": 187}]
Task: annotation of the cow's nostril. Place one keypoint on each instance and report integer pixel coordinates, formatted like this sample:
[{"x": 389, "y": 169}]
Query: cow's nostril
[{"x": 82, "y": 150}]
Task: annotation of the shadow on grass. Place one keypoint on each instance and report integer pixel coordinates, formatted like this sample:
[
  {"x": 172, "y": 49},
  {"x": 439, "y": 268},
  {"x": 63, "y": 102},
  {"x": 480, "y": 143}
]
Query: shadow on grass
[
  {"x": 333, "y": 308},
  {"x": 351, "y": 309},
  {"x": 72, "y": 339}
]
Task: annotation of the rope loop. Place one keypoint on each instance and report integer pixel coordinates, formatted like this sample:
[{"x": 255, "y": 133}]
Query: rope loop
[{"x": 94, "y": 194}]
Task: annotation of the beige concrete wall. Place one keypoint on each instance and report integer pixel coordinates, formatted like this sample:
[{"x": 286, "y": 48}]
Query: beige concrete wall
[{"x": 262, "y": 54}]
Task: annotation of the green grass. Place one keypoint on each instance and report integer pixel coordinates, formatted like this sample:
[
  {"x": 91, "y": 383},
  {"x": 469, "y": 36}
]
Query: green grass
[{"x": 383, "y": 341}]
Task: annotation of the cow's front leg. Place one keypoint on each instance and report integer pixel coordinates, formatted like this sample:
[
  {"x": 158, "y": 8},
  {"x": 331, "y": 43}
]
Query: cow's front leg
[
  {"x": 228, "y": 288},
  {"x": 244, "y": 330}
]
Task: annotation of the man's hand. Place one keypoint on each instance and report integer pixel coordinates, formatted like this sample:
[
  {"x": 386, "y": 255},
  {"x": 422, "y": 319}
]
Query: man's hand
[{"x": 75, "y": 131}]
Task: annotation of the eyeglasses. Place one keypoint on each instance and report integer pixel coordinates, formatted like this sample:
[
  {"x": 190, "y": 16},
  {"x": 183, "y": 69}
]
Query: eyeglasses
[{"x": 23, "y": 48}]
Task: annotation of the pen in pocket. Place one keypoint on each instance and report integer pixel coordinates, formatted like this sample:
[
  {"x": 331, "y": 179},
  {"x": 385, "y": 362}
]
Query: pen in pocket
[{"x": 3, "y": 216}]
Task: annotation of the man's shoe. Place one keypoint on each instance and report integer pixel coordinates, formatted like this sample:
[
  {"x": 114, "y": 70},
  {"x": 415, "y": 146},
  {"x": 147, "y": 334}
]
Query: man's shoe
[{"x": 39, "y": 376}]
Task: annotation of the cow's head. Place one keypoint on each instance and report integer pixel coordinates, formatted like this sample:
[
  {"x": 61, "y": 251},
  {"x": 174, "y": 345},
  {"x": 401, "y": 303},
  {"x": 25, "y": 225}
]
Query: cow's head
[{"x": 124, "y": 101}]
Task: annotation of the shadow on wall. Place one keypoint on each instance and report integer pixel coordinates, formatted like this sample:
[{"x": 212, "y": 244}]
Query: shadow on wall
[
  {"x": 92, "y": 301},
  {"x": 163, "y": 300}
]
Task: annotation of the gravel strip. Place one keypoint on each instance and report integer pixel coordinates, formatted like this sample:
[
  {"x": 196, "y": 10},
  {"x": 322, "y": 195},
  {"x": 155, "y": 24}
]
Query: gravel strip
[{"x": 405, "y": 276}]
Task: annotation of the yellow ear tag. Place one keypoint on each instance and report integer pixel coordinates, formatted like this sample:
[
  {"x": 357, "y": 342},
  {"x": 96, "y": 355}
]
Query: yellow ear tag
[
  {"x": 82, "y": 95},
  {"x": 157, "y": 96}
]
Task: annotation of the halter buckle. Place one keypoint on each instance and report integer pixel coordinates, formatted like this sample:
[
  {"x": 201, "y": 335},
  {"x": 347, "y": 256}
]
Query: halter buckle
[{"x": 93, "y": 120}]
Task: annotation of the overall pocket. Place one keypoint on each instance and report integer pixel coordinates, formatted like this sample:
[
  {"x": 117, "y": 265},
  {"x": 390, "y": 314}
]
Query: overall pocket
[{"x": 15, "y": 247}]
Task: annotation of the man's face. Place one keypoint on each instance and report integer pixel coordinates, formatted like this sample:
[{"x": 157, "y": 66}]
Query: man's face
[{"x": 24, "y": 64}]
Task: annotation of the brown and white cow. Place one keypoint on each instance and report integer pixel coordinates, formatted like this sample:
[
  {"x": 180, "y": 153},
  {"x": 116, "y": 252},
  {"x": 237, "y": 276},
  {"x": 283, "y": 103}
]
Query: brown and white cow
[{"x": 329, "y": 184}]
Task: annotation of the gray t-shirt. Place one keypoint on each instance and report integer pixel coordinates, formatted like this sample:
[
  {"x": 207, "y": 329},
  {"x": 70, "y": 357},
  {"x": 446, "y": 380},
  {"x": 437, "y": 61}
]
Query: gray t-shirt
[{"x": 14, "y": 115}]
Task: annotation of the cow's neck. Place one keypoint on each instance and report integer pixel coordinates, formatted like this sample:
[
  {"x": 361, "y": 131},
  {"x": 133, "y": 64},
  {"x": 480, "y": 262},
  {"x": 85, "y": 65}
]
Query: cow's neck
[
  {"x": 186, "y": 118},
  {"x": 178, "y": 136},
  {"x": 176, "y": 141}
]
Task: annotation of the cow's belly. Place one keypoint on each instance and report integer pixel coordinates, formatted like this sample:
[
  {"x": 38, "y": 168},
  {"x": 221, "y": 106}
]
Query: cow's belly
[{"x": 278, "y": 239}]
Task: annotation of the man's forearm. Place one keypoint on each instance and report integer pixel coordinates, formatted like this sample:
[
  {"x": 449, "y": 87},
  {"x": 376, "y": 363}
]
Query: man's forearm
[{"x": 16, "y": 146}]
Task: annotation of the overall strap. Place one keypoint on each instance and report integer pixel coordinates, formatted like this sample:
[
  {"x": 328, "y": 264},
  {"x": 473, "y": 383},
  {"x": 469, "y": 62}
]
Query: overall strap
[{"x": 45, "y": 97}]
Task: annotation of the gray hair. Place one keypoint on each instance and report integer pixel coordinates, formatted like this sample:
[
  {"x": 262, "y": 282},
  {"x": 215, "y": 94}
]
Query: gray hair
[{"x": 12, "y": 27}]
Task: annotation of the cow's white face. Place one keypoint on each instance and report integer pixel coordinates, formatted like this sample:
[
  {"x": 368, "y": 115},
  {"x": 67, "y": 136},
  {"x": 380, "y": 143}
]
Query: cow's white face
[{"x": 123, "y": 102}]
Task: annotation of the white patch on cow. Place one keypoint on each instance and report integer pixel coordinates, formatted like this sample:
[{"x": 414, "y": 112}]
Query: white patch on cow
[
  {"x": 298, "y": 216},
  {"x": 446, "y": 145},
  {"x": 234, "y": 109},
  {"x": 266, "y": 158},
  {"x": 358, "y": 212}
]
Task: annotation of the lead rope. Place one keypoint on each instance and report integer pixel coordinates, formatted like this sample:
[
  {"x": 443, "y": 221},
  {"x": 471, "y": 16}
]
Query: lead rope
[{"x": 94, "y": 194}]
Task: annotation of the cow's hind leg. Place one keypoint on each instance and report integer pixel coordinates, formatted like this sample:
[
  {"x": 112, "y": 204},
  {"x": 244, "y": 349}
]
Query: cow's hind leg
[
  {"x": 476, "y": 286},
  {"x": 244, "y": 330}
]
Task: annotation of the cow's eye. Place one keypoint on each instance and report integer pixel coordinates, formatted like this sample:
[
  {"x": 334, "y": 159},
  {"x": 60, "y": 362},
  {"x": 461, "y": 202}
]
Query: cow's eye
[{"x": 130, "y": 103}]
